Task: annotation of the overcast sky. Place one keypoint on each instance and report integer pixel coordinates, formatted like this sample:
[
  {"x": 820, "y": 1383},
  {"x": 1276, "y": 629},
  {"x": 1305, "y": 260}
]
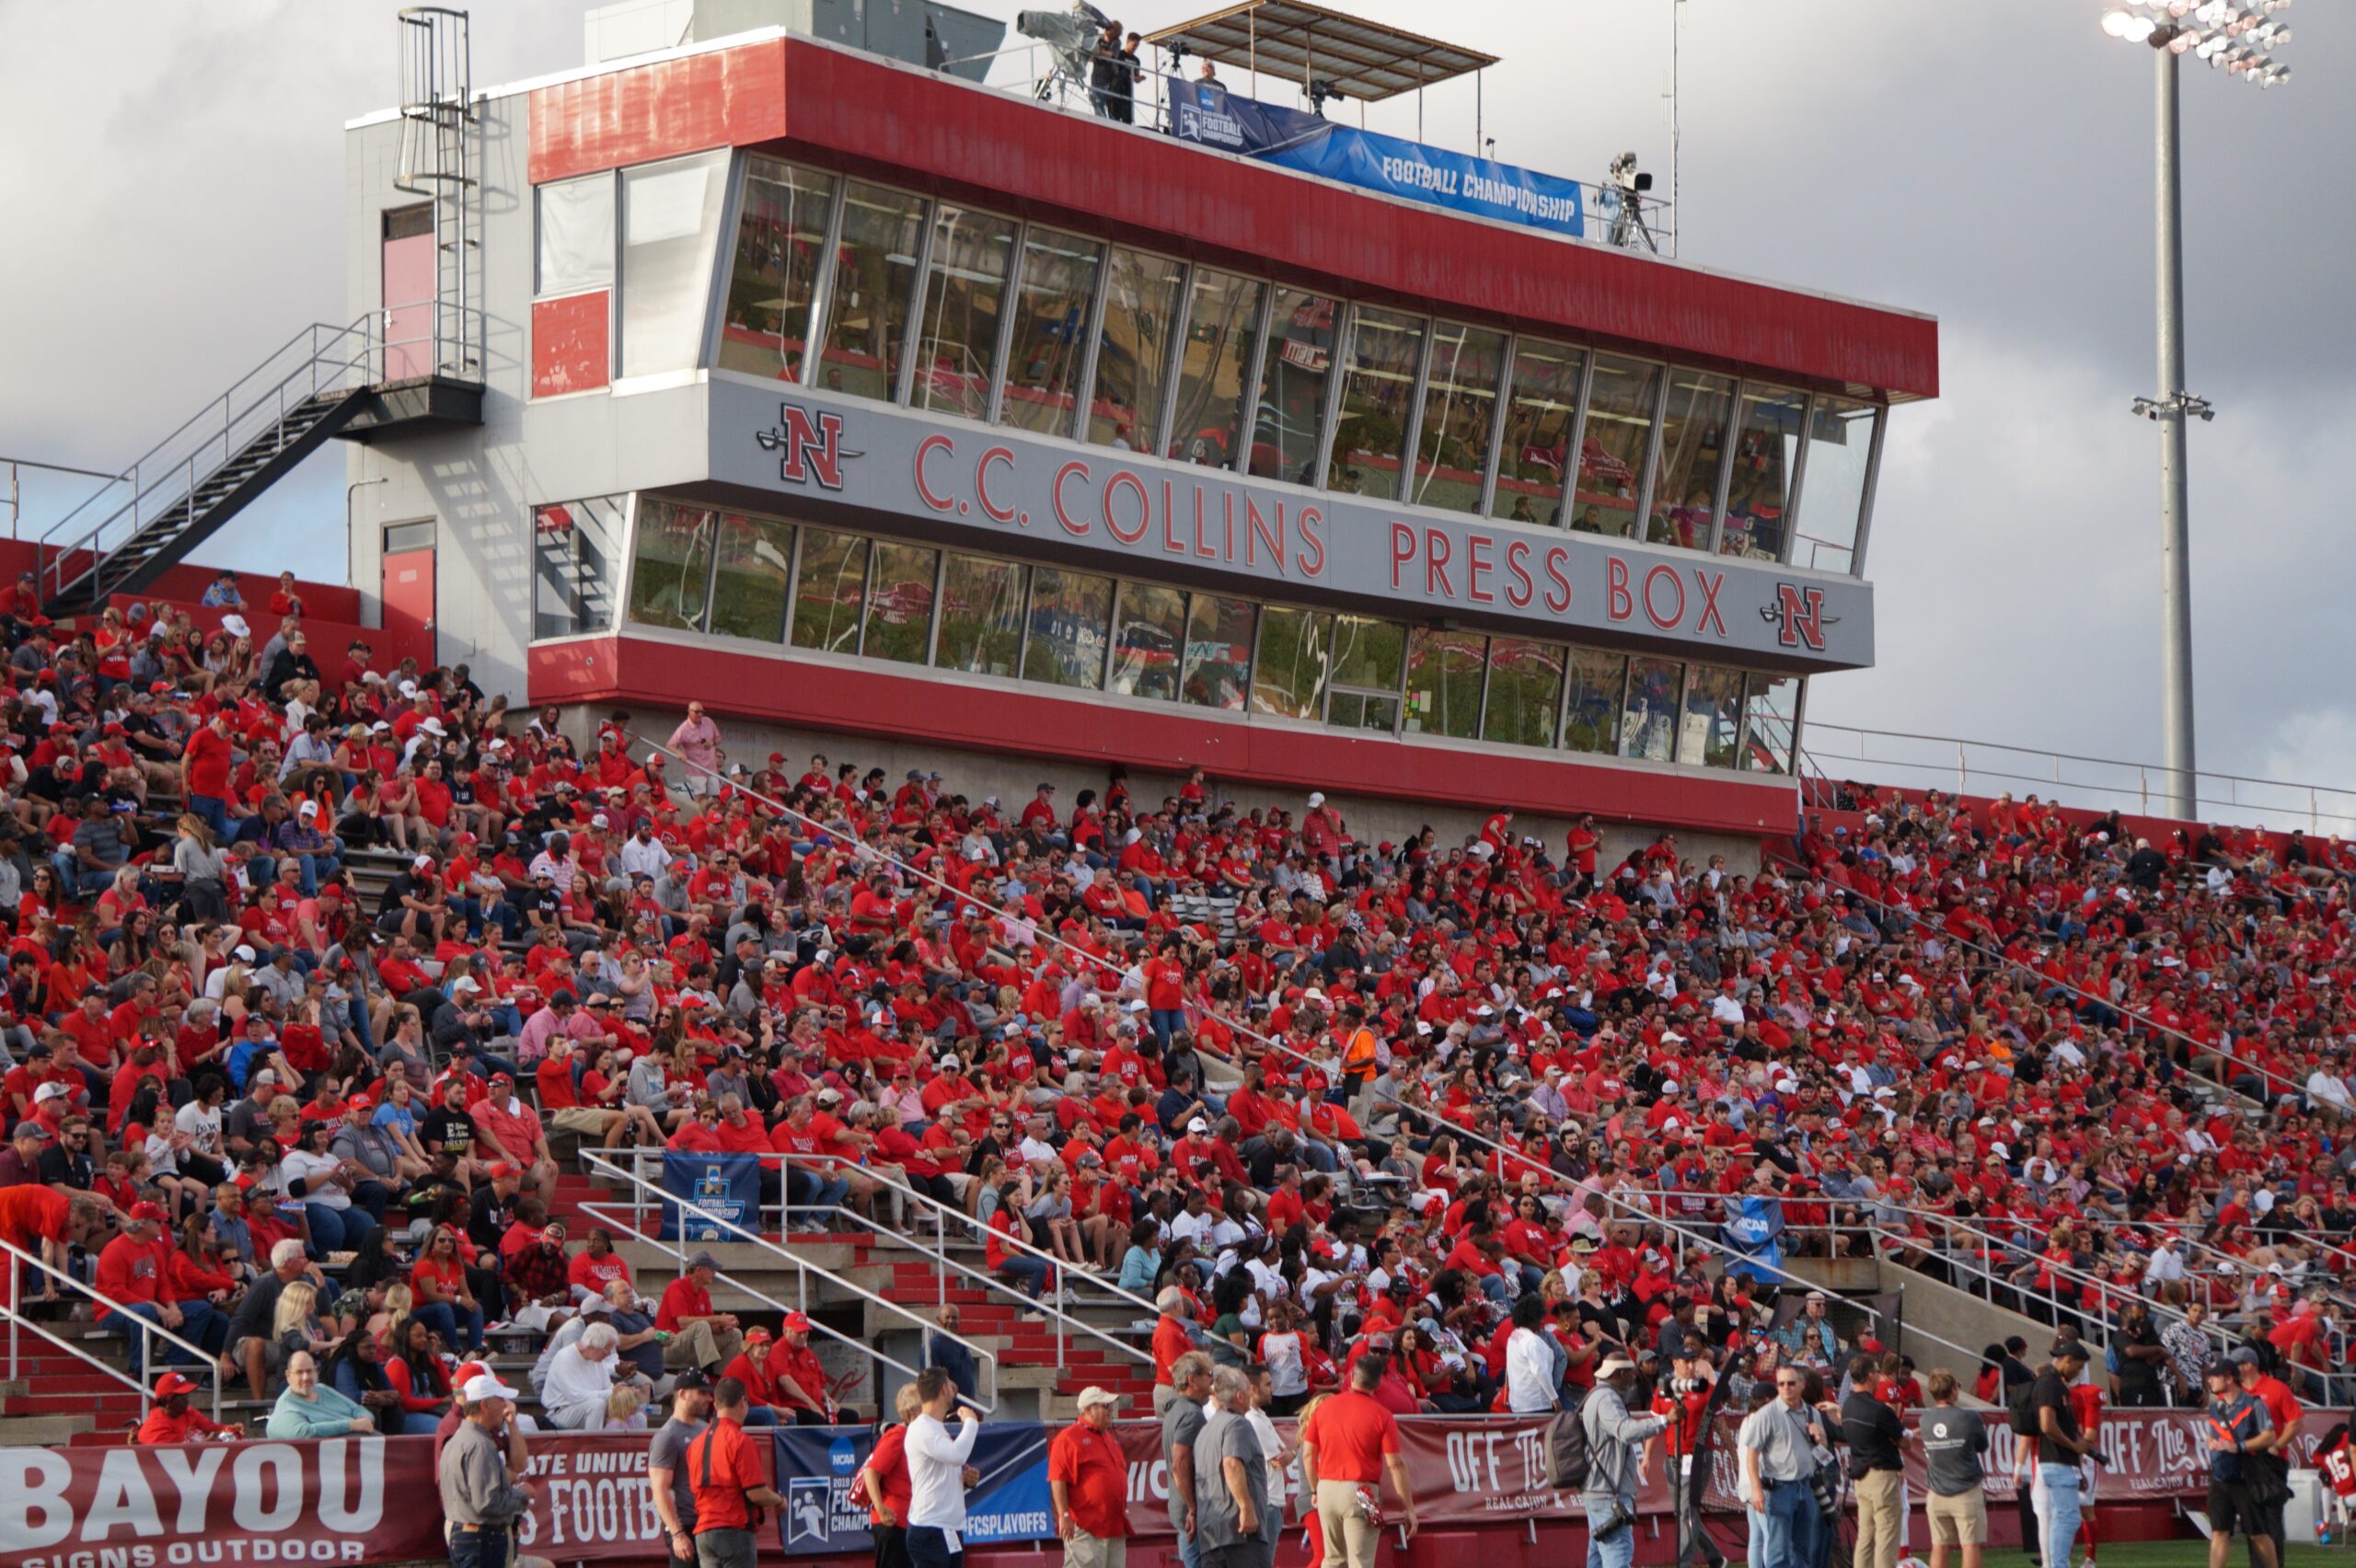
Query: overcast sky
[{"x": 172, "y": 177}]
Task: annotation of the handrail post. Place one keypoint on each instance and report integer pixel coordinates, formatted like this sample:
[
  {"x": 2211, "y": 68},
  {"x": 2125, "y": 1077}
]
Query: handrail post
[{"x": 940, "y": 1263}]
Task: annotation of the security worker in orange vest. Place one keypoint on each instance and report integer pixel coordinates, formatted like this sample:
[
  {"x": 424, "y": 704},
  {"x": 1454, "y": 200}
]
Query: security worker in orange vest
[
  {"x": 724, "y": 1472},
  {"x": 1357, "y": 1055}
]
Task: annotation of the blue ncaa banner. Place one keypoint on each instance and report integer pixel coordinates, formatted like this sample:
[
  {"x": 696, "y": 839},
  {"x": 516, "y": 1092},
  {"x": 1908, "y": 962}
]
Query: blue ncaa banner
[
  {"x": 698, "y": 1187},
  {"x": 815, "y": 1466},
  {"x": 1208, "y": 113}
]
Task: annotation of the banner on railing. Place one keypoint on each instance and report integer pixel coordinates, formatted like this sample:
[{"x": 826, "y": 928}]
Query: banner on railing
[
  {"x": 374, "y": 1500},
  {"x": 1208, "y": 113},
  {"x": 701, "y": 1188}
]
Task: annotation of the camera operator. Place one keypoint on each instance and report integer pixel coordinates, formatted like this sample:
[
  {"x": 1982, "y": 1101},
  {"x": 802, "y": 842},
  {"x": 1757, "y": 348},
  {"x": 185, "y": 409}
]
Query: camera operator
[
  {"x": 1614, "y": 1463},
  {"x": 1683, "y": 1400},
  {"x": 1112, "y": 77}
]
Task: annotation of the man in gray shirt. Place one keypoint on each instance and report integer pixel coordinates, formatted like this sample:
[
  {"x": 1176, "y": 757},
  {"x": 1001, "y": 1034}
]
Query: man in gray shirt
[
  {"x": 1953, "y": 1442},
  {"x": 1778, "y": 1443},
  {"x": 666, "y": 1465},
  {"x": 1181, "y": 1426},
  {"x": 1230, "y": 1480},
  {"x": 1613, "y": 1439},
  {"x": 482, "y": 1494}
]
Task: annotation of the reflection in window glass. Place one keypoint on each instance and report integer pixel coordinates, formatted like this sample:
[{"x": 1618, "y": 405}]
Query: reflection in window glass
[
  {"x": 1071, "y": 613},
  {"x": 866, "y": 306},
  {"x": 829, "y": 591},
  {"x": 1692, "y": 442},
  {"x": 1444, "y": 683},
  {"x": 573, "y": 561},
  {"x": 1292, "y": 387},
  {"x": 1460, "y": 405},
  {"x": 1141, "y": 295},
  {"x": 1368, "y": 657},
  {"x": 755, "y": 563},
  {"x": 1766, "y": 449},
  {"x": 899, "y": 603},
  {"x": 1840, "y": 439},
  {"x": 1289, "y": 678},
  {"x": 1371, "y": 430},
  {"x": 1771, "y": 708},
  {"x": 1149, "y": 639},
  {"x": 671, "y": 564},
  {"x": 1050, "y": 331},
  {"x": 1649, "y": 727},
  {"x": 1219, "y": 652},
  {"x": 1525, "y": 692},
  {"x": 1541, "y": 403},
  {"x": 963, "y": 283},
  {"x": 1611, "y": 453},
  {"x": 1222, "y": 319},
  {"x": 981, "y": 616},
  {"x": 1713, "y": 717},
  {"x": 781, "y": 234},
  {"x": 1591, "y": 709},
  {"x": 576, "y": 240},
  {"x": 670, "y": 223}
]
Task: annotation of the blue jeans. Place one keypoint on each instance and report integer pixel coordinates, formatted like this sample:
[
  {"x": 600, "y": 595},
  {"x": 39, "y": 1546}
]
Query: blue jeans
[
  {"x": 200, "y": 1325},
  {"x": 1618, "y": 1550},
  {"x": 479, "y": 1548},
  {"x": 927, "y": 1547},
  {"x": 1166, "y": 1022},
  {"x": 1190, "y": 1552},
  {"x": 443, "y": 1318},
  {"x": 1786, "y": 1535},
  {"x": 1026, "y": 1271},
  {"x": 807, "y": 1189},
  {"x": 339, "y": 1230},
  {"x": 2056, "y": 1500},
  {"x": 213, "y": 812}
]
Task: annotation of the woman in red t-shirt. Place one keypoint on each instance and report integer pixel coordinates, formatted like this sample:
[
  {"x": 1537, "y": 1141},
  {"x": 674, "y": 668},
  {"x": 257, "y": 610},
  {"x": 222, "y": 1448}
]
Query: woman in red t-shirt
[{"x": 443, "y": 1300}]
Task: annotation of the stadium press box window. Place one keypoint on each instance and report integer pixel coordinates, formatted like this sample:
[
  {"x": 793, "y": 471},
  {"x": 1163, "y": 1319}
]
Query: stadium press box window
[{"x": 825, "y": 590}]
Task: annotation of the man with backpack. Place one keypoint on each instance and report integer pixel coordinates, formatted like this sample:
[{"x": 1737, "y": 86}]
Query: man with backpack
[{"x": 1614, "y": 1440}]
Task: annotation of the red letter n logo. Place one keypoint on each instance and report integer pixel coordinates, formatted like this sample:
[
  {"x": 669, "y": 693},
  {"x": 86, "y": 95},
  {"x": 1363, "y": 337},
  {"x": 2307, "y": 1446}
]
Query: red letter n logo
[
  {"x": 808, "y": 446},
  {"x": 1797, "y": 614}
]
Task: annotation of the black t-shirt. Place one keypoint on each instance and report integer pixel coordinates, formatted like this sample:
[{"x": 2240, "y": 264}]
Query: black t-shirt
[
  {"x": 2051, "y": 1393},
  {"x": 1873, "y": 1432},
  {"x": 446, "y": 1129},
  {"x": 2136, "y": 1375}
]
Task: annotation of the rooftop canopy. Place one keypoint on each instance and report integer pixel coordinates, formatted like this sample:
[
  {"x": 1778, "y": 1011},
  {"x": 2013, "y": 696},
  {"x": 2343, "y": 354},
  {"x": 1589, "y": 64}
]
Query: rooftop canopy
[{"x": 1369, "y": 60}]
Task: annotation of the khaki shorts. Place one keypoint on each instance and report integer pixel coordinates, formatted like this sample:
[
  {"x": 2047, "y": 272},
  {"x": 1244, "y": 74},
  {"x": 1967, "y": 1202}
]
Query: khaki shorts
[
  {"x": 1085, "y": 1550},
  {"x": 579, "y": 1119},
  {"x": 1960, "y": 1520}
]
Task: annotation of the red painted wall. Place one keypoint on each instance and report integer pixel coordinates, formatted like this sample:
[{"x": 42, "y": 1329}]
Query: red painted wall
[
  {"x": 930, "y": 709},
  {"x": 571, "y": 345},
  {"x": 996, "y": 149}
]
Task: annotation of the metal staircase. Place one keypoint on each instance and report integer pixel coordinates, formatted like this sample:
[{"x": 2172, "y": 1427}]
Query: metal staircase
[{"x": 184, "y": 488}]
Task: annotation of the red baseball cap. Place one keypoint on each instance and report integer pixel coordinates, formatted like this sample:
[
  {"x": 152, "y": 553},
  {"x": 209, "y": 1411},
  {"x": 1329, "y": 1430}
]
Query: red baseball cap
[{"x": 171, "y": 1385}]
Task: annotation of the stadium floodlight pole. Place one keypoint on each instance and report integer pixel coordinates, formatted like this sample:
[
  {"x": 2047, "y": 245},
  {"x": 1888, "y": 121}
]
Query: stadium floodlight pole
[{"x": 2233, "y": 36}]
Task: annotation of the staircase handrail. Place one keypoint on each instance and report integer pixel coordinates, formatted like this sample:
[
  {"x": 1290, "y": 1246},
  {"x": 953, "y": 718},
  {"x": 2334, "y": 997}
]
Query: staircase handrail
[
  {"x": 677, "y": 1247},
  {"x": 222, "y": 420},
  {"x": 941, "y": 1258},
  {"x": 148, "y": 1331}
]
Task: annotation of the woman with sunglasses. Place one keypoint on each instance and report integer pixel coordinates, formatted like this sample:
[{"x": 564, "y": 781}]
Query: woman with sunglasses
[{"x": 443, "y": 1300}]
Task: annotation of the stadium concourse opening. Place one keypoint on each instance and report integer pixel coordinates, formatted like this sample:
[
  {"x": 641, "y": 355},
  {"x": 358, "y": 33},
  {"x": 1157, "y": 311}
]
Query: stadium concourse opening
[{"x": 938, "y": 782}]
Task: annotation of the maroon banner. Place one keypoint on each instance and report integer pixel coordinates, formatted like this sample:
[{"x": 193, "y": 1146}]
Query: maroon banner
[{"x": 369, "y": 1501}]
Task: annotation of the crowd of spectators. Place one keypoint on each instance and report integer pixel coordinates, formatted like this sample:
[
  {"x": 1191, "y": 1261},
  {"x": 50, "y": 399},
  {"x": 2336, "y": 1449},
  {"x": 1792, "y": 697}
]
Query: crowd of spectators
[{"x": 1498, "y": 1106}]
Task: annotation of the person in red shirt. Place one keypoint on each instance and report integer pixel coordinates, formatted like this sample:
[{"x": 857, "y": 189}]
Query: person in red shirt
[
  {"x": 174, "y": 1420},
  {"x": 803, "y": 1393},
  {"x": 1165, "y": 993},
  {"x": 204, "y": 773},
  {"x": 1349, "y": 1444},
  {"x": 725, "y": 1472},
  {"x": 700, "y": 1336},
  {"x": 131, "y": 1278},
  {"x": 1087, "y": 1475}
]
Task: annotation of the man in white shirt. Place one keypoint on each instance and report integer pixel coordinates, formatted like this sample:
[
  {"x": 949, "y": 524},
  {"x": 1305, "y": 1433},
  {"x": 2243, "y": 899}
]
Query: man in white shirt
[
  {"x": 1532, "y": 1387},
  {"x": 580, "y": 1379},
  {"x": 2326, "y": 1088},
  {"x": 2166, "y": 1263},
  {"x": 937, "y": 1474},
  {"x": 642, "y": 854}
]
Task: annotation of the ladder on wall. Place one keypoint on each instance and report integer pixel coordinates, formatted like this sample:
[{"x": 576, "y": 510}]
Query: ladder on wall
[{"x": 441, "y": 158}]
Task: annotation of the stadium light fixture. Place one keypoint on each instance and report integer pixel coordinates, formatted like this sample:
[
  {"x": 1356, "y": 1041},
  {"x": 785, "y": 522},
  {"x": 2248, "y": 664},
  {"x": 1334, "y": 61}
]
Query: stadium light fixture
[{"x": 2239, "y": 37}]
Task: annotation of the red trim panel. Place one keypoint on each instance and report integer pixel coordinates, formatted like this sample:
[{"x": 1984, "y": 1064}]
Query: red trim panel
[
  {"x": 723, "y": 98},
  {"x": 572, "y": 340},
  {"x": 996, "y": 149},
  {"x": 928, "y": 709}
]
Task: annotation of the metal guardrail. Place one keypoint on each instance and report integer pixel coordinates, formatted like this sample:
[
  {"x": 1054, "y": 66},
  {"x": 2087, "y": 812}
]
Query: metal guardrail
[
  {"x": 680, "y": 1250},
  {"x": 1990, "y": 768},
  {"x": 149, "y": 1333}
]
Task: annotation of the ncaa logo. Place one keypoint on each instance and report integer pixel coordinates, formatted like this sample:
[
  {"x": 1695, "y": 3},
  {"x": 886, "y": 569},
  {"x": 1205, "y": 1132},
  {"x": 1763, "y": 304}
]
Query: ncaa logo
[
  {"x": 806, "y": 1501},
  {"x": 809, "y": 446},
  {"x": 1798, "y": 615}
]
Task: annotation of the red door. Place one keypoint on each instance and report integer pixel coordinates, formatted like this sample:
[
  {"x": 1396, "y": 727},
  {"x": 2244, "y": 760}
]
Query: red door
[
  {"x": 409, "y": 282},
  {"x": 408, "y": 591}
]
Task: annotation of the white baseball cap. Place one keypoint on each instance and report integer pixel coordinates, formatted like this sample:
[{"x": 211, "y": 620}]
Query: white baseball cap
[{"x": 485, "y": 1386}]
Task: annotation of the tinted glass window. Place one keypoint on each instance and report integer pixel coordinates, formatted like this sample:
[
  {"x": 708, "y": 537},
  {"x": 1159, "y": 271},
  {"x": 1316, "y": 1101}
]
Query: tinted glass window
[
  {"x": 1766, "y": 453},
  {"x": 1219, "y": 651},
  {"x": 1141, "y": 294},
  {"x": 830, "y": 590},
  {"x": 575, "y": 560},
  {"x": 1713, "y": 717},
  {"x": 964, "y": 286},
  {"x": 781, "y": 234},
  {"x": 981, "y": 616},
  {"x": 755, "y": 563},
  {"x": 1222, "y": 319},
  {"x": 1839, "y": 440},
  {"x": 1611, "y": 453},
  {"x": 1771, "y": 708},
  {"x": 1051, "y": 307},
  {"x": 1292, "y": 387},
  {"x": 899, "y": 603},
  {"x": 1540, "y": 407},
  {"x": 1289, "y": 678},
  {"x": 1370, "y": 431},
  {"x": 1443, "y": 670},
  {"x": 1149, "y": 640},
  {"x": 1070, "y": 619},
  {"x": 1649, "y": 727},
  {"x": 1460, "y": 407},
  {"x": 671, "y": 564},
  {"x": 1692, "y": 447},
  {"x": 670, "y": 222},
  {"x": 1525, "y": 692},
  {"x": 1591, "y": 709},
  {"x": 867, "y": 307}
]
